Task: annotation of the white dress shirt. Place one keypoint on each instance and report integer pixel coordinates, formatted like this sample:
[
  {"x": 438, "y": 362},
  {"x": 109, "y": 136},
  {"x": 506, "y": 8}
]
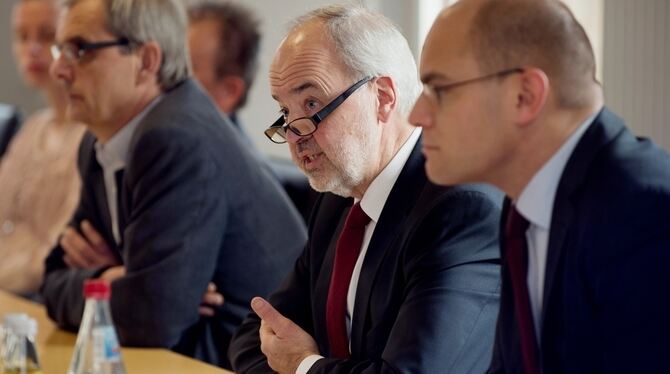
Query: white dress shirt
[
  {"x": 112, "y": 157},
  {"x": 536, "y": 204},
  {"x": 372, "y": 204}
]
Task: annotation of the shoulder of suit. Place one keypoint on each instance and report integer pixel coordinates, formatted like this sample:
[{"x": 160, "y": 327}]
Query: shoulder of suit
[{"x": 465, "y": 192}]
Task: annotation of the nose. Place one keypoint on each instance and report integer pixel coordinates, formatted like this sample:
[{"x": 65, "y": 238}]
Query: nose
[
  {"x": 421, "y": 115},
  {"x": 291, "y": 137},
  {"x": 60, "y": 70},
  {"x": 35, "y": 48}
]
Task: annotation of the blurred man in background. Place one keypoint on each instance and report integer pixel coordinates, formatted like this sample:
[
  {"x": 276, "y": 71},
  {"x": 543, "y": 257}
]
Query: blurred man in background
[{"x": 224, "y": 41}]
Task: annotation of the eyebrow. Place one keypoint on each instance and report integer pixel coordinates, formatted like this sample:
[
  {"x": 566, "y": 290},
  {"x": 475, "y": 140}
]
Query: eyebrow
[
  {"x": 428, "y": 77},
  {"x": 298, "y": 89},
  {"x": 303, "y": 87},
  {"x": 72, "y": 39}
]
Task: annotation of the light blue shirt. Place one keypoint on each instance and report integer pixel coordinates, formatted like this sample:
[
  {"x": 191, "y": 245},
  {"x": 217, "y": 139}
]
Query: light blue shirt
[{"x": 536, "y": 204}]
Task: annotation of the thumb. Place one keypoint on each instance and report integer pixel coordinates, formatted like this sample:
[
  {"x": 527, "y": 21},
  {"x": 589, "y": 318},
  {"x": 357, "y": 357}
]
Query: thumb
[{"x": 275, "y": 320}]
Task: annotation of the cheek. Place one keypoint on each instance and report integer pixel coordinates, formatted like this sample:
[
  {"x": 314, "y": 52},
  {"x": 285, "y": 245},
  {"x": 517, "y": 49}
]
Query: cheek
[
  {"x": 45, "y": 54},
  {"x": 294, "y": 152},
  {"x": 21, "y": 53}
]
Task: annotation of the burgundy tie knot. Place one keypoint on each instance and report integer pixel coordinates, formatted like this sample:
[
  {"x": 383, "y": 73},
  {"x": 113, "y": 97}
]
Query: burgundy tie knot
[
  {"x": 516, "y": 224},
  {"x": 357, "y": 218}
]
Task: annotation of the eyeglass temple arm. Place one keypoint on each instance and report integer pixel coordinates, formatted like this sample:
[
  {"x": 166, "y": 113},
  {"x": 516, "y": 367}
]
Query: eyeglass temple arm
[{"x": 323, "y": 113}]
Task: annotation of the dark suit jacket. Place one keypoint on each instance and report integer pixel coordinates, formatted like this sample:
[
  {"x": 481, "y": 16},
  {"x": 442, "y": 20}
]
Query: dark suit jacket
[
  {"x": 10, "y": 123},
  {"x": 606, "y": 306},
  {"x": 195, "y": 206},
  {"x": 428, "y": 291}
]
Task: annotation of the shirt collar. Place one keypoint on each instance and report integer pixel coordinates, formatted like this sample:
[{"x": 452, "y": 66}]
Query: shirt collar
[
  {"x": 537, "y": 199},
  {"x": 113, "y": 155},
  {"x": 377, "y": 193}
]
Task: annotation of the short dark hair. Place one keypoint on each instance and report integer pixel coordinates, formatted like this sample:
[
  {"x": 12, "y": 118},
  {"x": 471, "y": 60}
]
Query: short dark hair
[
  {"x": 539, "y": 33},
  {"x": 239, "y": 38}
]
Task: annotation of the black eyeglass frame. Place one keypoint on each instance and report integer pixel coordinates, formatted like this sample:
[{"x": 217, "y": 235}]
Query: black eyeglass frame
[
  {"x": 280, "y": 125},
  {"x": 84, "y": 47},
  {"x": 449, "y": 86}
]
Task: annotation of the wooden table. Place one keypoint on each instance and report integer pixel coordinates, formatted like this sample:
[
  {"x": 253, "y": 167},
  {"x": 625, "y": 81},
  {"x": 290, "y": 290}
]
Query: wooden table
[{"x": 55, "y": 346}]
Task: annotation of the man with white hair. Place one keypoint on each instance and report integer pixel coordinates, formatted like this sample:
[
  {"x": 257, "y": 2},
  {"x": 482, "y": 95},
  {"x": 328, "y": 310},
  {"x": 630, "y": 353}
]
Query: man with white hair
[
  {"x": 172, "y": 198},
  {"x": 406, "y": 279}
]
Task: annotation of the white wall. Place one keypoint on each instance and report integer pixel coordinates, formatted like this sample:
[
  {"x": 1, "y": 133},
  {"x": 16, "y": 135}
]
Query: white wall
[
  {"x": 636, "y": 66},
  {"x": 590, "y": 14}
]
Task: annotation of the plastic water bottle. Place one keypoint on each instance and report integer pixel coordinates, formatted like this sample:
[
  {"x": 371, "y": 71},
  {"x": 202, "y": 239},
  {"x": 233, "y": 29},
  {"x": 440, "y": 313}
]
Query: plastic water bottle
[
  {"x": 19, "y": 354},
  {"x": 97, "y": 349}
]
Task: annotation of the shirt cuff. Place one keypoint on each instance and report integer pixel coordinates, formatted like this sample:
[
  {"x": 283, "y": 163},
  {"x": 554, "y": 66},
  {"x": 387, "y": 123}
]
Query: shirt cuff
[{"x": 307, "y": 363}]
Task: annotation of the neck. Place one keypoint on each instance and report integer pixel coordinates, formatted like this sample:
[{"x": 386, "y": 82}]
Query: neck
[
  {"x": 391, "y": 141},
  {"x": 541, "y": 142},
  {"x": 105, "y": 131}
]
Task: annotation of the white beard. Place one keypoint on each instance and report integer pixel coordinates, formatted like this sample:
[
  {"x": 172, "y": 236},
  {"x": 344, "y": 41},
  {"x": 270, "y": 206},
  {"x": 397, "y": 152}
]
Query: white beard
[{"x": 346, "y": 164}]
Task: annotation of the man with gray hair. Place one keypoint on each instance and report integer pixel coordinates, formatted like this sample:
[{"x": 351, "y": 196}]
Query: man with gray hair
[
  {"x": 407, "y": 278},
  {"x": 172, "y": 199}
]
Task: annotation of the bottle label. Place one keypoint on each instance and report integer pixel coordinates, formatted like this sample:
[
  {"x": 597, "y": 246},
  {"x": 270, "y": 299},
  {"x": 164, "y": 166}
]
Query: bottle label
[{"x": 106, "y": 346}]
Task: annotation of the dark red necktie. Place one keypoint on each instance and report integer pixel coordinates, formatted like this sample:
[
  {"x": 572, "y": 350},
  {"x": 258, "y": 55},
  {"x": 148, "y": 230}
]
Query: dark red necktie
[
  {"x": 516, "y": 250},
  {"x": 348, "y": 247}
]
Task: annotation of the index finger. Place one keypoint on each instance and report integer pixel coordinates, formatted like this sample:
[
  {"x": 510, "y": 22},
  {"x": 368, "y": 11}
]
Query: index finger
[
  {"x": 77, "y": 248},
  {"x": 93, "y": 236}
]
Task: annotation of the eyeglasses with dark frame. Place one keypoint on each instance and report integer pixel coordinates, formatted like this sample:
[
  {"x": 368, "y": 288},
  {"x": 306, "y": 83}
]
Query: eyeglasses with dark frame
[
  {"x": 432, "y": 91},
  {"x": 74, "y": 51},
  {"x": 305, "y": 126}
]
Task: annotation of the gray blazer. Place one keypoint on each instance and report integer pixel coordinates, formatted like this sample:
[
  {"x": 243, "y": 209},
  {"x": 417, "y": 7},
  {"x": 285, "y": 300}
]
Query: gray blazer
[{"x": 195, "y": 205}]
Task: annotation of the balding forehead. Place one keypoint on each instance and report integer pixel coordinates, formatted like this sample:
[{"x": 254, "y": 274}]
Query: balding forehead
[
  {"x": 450, "y": 30},
  {"x": 305, "y": 47},
  {"x": 312, "y": 33}
]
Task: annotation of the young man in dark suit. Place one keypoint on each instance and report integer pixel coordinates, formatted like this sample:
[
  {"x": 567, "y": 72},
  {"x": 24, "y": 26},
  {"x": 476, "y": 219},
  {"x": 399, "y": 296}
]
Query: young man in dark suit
[
  {"x": 172, "y": 199},
  {"x": 511, "y": 99},
  {"x": 398, "y": 274}
]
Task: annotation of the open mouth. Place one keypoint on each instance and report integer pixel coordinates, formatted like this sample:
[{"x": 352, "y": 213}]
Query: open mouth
[{"x": 310, "y": 161}]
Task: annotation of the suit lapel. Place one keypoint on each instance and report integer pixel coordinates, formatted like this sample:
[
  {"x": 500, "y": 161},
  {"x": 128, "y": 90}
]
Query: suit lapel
[
  {"x": 605, "y": 127},
  {"x": 121, "y": 204},
  {"x": 97, "y": 182},
  {"x": 393, "y": 218}
]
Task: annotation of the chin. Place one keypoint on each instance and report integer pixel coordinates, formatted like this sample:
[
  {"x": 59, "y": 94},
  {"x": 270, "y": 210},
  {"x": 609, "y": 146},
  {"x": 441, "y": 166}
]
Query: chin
[
  {"x": 331, "y": 184},
  {"x": 438, "y": 175},
  {"x": 319, "y": 183},
  {"x": 35, "y": 81},
  {"x": 77, "y": 115}
]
